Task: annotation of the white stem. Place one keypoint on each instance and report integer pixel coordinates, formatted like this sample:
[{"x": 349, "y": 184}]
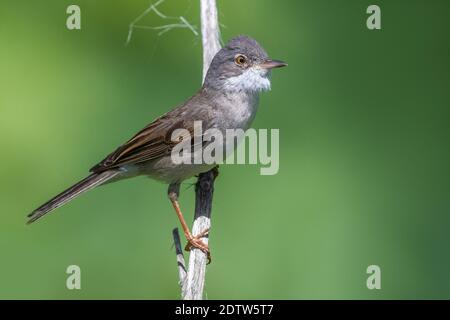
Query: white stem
[
  {"x": 193, "y": 282},
  {"x": 195, "y": 279},
  {"x": 210, "y": 32}
]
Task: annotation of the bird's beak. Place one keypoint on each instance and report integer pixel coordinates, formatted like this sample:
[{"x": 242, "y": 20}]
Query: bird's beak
[{"x": 271, "y": 64}]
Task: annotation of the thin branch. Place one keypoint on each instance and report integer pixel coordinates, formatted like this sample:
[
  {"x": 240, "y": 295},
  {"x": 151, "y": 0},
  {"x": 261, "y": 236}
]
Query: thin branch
[
  {"x": 180, "y": 258},
  {"x": 210, "y": 32},
  {"x": 192, "y": 281},
  {"x": 204, "y": 189},
  {"x": 188, "y": 25},
  {"x": 195, "y": 279},
  {"x": 182, "y": 22}
]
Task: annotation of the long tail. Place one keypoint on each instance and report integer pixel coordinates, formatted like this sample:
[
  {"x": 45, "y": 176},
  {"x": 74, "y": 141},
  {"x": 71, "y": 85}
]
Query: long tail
[{"x": 86, "y": 184}]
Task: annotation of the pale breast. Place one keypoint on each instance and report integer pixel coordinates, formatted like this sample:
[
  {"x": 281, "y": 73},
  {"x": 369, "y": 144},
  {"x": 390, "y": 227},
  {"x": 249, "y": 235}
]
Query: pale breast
[{"x": 237, "y": 111}]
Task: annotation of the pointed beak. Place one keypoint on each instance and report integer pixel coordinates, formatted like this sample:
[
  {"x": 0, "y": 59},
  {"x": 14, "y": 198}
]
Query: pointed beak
[{"x": 271, "y": 64}]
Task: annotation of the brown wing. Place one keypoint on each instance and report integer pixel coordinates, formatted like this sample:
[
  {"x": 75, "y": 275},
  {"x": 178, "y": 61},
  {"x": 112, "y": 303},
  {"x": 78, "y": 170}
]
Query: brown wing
[{"x": 152, "y": 142}]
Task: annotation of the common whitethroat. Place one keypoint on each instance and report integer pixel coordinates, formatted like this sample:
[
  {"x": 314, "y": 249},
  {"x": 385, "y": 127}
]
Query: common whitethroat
[{"x": 228, "y": 99}]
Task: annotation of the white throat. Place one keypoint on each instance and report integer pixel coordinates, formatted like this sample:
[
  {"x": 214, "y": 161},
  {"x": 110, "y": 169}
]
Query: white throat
[{"x": 252, "y": 80}]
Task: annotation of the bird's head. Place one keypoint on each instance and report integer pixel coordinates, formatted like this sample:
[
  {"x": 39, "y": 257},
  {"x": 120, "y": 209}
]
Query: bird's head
[{"x": 241, "y": 66}]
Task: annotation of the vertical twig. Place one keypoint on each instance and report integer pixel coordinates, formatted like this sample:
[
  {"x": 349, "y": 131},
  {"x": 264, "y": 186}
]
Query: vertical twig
[
  {"x": 192, "y": 282},
  {"x": 180, "y": 258},
  {"x": 210, "y": 32},
  {"x": 195, "y": 279}
]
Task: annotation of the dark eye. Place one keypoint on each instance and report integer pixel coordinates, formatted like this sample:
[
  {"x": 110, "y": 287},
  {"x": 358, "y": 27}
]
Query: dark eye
[{"x": 240, "y": 59}]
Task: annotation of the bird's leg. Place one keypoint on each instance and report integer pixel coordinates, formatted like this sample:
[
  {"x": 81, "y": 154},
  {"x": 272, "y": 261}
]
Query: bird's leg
[{"x": 193, "y": 241}]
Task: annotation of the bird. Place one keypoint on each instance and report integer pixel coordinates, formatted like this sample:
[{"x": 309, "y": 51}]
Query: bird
[{"x": 228, "y": 99}]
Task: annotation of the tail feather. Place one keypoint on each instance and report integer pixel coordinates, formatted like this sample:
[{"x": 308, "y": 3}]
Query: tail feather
[{"x": 86, "y": 184}]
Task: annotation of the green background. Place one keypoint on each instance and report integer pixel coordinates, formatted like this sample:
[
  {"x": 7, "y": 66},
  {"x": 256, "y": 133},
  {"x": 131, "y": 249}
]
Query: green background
[{"x": 364, "y": 151}]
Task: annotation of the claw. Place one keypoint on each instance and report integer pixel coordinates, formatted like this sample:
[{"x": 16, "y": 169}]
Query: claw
[{"x": 196, "y": 242}]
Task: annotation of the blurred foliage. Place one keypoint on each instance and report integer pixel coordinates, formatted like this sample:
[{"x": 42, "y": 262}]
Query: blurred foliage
[{"x": 364, "y": 165}]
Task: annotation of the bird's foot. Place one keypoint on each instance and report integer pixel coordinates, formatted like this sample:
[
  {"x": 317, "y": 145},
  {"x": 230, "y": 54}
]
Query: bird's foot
[{"x": 197, "y": 242}]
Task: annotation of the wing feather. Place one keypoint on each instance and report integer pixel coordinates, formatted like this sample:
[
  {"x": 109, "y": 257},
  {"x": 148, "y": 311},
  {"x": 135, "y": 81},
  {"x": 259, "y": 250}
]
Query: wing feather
[
  {"x": 155, "y": 140},
  {"x": 150, "y": 143}
]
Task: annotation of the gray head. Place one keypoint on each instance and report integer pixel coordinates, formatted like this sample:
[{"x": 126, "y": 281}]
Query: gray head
[{"x": 242, "y": 65}]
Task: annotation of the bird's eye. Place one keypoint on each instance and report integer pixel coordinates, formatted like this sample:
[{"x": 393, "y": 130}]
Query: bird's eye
[{"x": 240, "y": 59}]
